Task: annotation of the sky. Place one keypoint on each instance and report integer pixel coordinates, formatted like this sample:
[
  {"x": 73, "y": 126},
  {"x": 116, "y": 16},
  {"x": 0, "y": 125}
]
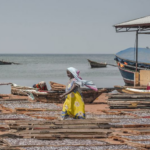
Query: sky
[{"x": 69, "y": 26}]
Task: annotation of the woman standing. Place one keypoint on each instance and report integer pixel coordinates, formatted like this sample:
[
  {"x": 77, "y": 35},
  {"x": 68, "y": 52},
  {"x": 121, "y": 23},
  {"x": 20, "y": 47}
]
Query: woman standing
[{"x": 74, "y": 104}]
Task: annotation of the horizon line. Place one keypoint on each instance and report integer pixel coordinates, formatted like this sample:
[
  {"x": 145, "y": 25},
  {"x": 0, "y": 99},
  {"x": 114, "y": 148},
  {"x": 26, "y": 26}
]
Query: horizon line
[{"x": 59, "y": 53}]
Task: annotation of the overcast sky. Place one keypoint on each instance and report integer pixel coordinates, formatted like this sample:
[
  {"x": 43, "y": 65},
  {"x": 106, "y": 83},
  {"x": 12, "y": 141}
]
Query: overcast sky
[{"x": 68, "y": 26}]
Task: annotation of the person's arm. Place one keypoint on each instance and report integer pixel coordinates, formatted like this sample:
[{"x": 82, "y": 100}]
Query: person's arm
[{"x": 71, "y": 90}]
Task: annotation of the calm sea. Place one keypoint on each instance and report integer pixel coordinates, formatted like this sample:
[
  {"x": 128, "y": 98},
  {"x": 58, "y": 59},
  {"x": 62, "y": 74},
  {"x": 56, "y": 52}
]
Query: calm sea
[{"x": 52, "y": 67}]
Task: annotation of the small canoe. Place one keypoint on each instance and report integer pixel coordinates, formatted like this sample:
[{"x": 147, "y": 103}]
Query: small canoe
[
  {"x": 53, "y": 96},
  {"x": 96, "y": 64}
]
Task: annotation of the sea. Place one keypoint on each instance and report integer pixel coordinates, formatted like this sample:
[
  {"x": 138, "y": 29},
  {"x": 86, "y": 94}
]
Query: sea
[{"x": 34, "y": 68}]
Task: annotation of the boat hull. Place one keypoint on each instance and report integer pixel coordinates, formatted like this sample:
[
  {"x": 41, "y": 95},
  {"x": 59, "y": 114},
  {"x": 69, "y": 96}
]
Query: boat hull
[
  {"x": 5, "y": 63},
  {"x": 94, "y": 64},
  {"x": 128, "y": 76},
  {"x": 53, "y": 96}
]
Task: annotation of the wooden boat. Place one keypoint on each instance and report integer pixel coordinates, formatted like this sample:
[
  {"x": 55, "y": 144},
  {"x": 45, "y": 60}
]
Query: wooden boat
[
  {"x": 96, "y": 64},
  {"x": 53, "y": 96},
  {"x": 127, "y": 66},
  {"x": 5, "y": 62}
]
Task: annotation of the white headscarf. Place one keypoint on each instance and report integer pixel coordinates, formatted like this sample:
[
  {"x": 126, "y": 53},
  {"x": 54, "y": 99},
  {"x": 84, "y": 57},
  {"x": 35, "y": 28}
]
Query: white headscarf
[{"x": 79, "y": 80}]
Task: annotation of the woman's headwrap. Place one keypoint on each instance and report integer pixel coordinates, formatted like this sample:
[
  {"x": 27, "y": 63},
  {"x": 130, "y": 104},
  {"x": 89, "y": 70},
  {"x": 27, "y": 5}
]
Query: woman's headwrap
[
  {"x": 79, "y": 80},
  {"x": 42, "y": 84}
]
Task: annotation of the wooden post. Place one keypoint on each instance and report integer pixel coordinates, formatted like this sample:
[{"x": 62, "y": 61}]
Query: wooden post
[
  {"x": 136, "y": 79},
  {"x": 136, "y": 50}
]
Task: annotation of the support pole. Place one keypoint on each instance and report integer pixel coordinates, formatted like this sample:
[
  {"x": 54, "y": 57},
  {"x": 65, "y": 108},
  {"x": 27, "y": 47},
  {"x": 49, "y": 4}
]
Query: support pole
[{"x": 136, "y": 50}]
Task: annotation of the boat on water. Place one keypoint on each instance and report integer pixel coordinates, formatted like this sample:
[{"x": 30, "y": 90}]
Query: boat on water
[
  {"x": 5, "y": 62},
  {"x": 95, "y": 64},
  {"x": 126, "y": 63}
]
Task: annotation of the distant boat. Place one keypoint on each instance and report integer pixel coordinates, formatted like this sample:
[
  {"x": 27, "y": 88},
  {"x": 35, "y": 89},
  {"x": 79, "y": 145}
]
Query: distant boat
[
  {"x": 96, "y": 64},
  {"x": 5, "y": 62}
]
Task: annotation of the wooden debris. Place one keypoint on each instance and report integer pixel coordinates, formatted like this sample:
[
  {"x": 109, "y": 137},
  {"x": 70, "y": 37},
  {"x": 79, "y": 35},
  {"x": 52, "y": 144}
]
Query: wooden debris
[{"x": 129, "y": 101}]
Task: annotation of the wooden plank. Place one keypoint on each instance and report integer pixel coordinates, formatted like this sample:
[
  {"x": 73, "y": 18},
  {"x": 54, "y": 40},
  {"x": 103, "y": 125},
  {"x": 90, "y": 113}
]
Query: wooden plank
[
  {"x": 64, "y": 131},
  {"x": 65, "y": 122},
  {"x": 144, "y": 77},
  {"x": 129, "y": 96},
  {"x": 130, "y": 100},
  {"x": 35, "y": 109},
  {"x": 14, "y": 99},
  {"x": 126, "y": 107},
  {"x": 76, "y": 145},
  {"x": 56, "y": 136},
  {"x": 88, "y": 126},
  {"x": 45, "y": 127}
]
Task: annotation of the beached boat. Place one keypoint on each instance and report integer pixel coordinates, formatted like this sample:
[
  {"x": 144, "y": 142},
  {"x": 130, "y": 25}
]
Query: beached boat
[
  {"x": 95, "y": 64},
  {"x": 132, "y": 60},
  {"x": 53, "y": 96},
  {"x": 127, "y": 65}
]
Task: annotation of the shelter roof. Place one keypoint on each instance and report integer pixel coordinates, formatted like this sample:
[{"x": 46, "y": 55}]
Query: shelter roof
[{"x": 144, "y": 21}]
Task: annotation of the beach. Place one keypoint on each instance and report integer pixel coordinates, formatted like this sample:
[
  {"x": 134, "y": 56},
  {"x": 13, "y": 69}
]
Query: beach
[{"x": 35, "y": 124}]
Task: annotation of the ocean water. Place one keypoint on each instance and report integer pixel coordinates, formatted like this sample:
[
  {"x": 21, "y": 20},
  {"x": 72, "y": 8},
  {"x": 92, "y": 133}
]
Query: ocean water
[{"x": 52, "y": 67}]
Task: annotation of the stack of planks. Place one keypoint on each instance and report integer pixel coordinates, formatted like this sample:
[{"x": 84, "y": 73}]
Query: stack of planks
[
  {"x": 57, "y": 87},
  {"x": 129, "y": 101},
  {"x": 56, "y": 129}
]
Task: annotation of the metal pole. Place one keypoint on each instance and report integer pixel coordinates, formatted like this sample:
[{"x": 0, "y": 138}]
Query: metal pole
[{"x": 136, "y": 50}]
